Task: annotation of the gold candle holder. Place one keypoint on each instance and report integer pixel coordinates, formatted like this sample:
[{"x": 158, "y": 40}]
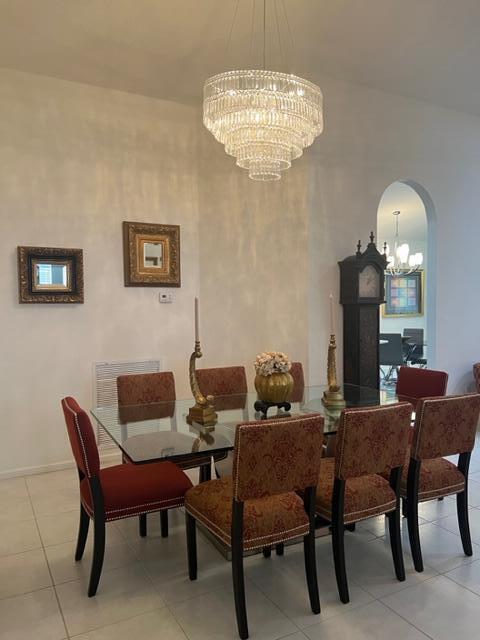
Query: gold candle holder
[
  {"x": 203, "y": 412},
  {"x": 333, "y": 397}
]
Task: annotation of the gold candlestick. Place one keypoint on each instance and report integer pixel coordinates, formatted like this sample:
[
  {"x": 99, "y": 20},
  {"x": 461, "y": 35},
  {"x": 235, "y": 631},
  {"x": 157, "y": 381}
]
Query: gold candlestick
[
  {"x": 333, "y": 397},
  {"x": 203, "y": 411}
]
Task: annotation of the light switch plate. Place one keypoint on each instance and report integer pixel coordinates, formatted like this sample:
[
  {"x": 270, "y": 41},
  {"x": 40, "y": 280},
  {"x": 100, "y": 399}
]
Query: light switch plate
[{"x": 166, "y": 297}]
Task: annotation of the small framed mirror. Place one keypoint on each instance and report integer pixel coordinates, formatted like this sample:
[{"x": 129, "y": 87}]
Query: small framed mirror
[
  {"x": 151, "y": 254},
  {"x": 50, "y": 275}
]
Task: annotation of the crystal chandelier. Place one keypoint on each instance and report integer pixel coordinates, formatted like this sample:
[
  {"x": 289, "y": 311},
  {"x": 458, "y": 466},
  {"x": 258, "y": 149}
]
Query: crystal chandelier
[
  {"x": 264, "y": 118},
  {"x": 401, "y": 262}
]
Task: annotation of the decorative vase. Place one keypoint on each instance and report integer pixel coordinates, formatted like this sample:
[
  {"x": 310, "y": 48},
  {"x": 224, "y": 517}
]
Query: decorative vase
[{"x": 275, "y": 388}]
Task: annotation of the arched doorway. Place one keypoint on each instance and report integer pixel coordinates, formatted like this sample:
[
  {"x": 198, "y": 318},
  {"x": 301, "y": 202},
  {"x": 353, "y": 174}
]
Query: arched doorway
[{"x": 411, "y": 290}]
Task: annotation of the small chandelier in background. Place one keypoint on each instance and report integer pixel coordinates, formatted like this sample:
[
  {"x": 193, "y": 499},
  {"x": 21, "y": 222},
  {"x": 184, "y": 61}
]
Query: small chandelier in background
[
  {"x": 264, "y": 118},
  {"x": 400, "y": 261}
]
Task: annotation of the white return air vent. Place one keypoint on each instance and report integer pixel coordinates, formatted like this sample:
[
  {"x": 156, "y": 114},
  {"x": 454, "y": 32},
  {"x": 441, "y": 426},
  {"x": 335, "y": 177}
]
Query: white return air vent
[{"x": 105, "y": 376}]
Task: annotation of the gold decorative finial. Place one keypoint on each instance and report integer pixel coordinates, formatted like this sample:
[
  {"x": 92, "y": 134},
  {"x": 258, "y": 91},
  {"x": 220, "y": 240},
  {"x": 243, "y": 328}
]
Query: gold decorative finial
[
  {"x": 203, "y": 412},
  {"x": 333, "y": 397}
]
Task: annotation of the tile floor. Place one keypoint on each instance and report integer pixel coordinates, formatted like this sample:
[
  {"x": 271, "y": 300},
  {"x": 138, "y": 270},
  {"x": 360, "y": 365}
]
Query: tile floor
[{"x": 145, "y": 592}]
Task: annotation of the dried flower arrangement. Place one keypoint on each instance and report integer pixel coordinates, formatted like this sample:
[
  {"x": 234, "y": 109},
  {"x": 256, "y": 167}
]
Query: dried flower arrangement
[{"x": 270, "y": 362}]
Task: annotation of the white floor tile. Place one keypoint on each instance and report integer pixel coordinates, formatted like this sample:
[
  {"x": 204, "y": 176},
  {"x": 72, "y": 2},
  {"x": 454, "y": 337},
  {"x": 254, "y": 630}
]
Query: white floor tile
[
  {"x": 53, "y": 493},
  {"x": 379, "y": 525},
  {"x": 31, "y": 616},
  {"x": 440, "y": 608},
  {"x": 468, "y": 575},
  {"x": 212, "y": 616},
  {"x": 63, "y": 527},
  {"x": 64, "y": 568},
  {"x": 23, "y": 572},
  {"x": 283, "y": 580},
  {"x": 14, "y": 500},
  {"x": 18, "y": 536},
  {"x": 122, "y": 593},
  {"x": 451, "y": 524},
  {"x": 148, "y": 626},
  {"x": 371, "y": 622},
  {"x": 441, "y": 549},
  {"x": 370, "y": 565},
  {"x": 435, "y": 509}
]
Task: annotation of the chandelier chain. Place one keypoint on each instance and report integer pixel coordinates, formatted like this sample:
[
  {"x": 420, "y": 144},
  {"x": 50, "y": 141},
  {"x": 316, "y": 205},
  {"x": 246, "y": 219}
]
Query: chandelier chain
[
  {"x": 282, "y": 57},
  {"x": 229, "y": 40}
]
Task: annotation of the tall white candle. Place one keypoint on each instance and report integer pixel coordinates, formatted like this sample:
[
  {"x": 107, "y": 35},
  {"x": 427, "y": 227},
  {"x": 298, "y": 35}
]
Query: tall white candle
[
  {"x": 332, "y": 322},
  {"x": 197, "y": 332}
]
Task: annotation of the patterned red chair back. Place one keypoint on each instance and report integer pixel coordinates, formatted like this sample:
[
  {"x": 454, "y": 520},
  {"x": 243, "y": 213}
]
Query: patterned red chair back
[
  {"x": 413, "y": 384},
  {"x": 372, "y": 440},
  {"x": 148, "y": 388},
  {"x": 222, "y": 382},
  {"x": 476, "y": 375},
  {"x": 445, "y": 426},
  {"x": 298, "y": 382},
  {"x": 277, "y": 456},
  {"x": 82, "y": 438}
]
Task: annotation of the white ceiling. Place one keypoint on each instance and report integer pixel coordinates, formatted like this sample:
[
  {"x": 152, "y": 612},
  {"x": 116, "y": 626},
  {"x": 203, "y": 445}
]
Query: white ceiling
[
  {"x": 426, "y": 49},
  {"x": 412, "y": 223}
]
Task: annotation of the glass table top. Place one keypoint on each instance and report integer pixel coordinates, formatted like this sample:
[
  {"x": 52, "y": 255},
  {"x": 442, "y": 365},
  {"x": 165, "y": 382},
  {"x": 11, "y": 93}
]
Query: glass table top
[{"x": 159, "y": 431}]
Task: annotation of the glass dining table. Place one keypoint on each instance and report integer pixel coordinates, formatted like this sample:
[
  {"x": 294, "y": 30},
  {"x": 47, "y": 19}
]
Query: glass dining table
[{"x": 160, "y": 431}]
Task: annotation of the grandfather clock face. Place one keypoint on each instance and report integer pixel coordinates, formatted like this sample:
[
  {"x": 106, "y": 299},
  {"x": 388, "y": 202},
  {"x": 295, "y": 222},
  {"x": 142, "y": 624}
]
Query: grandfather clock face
[{"x": 369, "y": 283}]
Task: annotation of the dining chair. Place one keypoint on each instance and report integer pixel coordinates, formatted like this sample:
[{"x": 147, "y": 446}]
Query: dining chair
[
  {"x": 416, "y": 351},
  {"x": 414, "y": 384},
  {"x": 297, "y": 394},
  {"x": 150, "y": 388},
  {"x": 390, "y": 355},
  {"x": 476, "y": 375},
  {"x": 259, "y": 505},
  {"x": 117, "y": 492},
  {"x": 370, "y": 441},
  {"x": 444, "y": 426},
  {"x": 228, "y": 385}
]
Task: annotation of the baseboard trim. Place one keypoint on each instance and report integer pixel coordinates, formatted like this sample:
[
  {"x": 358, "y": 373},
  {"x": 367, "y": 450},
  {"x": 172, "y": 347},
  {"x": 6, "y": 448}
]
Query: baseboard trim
[{"x": 106, "y": 456}]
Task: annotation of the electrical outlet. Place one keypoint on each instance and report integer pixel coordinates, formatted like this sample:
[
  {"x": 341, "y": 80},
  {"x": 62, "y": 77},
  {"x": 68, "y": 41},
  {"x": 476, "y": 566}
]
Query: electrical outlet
[{"x": 166, "y": 297}]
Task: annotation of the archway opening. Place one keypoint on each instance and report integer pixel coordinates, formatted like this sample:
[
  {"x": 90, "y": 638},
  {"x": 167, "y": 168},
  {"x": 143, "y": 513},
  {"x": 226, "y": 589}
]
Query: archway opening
[{"x": 406, "y": 222}]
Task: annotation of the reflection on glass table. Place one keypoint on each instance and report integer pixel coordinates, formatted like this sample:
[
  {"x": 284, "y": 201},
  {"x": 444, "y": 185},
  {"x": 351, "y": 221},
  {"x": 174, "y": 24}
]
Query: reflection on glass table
[{"x": 145, "y": 432}]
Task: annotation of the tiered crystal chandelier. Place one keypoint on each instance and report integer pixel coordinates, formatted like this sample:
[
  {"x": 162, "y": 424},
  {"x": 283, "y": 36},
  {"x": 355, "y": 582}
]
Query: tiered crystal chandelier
[
  {"x": 264, "y": 118},
  {"x": 400, "y": 261}
]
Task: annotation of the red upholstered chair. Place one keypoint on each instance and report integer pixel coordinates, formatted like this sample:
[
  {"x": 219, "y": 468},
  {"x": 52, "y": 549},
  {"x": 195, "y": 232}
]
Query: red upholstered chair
[
  {"x": 116, "y": 492},
  {"x": 228, "y": 385},
  {"x": 476, "y": 375},
  {"x": 258, "y": 505},
  {"x": 298, "y": 382},
  {"x": 150, "y": 388},
  {"x": 443, "y": 427},
  {"x": 350, "y": 487},
  {"x": 414, "y": 383}
]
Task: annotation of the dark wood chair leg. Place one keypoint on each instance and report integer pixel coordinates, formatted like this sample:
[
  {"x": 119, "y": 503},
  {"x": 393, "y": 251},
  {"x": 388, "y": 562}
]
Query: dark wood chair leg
[
  {"x": 98, "y": 535},
  {"x": 396, "y": 544},
  {"x": 142, "y": 525},
  {"x": 280, "y": 549},
  {"x": 267, "y": 552},
  {"x": 462, "y": 506},
  {"x": 412, "y": 513},
  {"x": 309, "y": 551},
  {"x": 463, "y": 524},
  {"x": 205, "y": 473},
  {"x": 237, "y": 569},
  {"x": 404, "y": 507},
  {"x": 164, "y": 523},
  {"x": 394, "y": 526},
  {"x": 82, "y": 533},
  {"x": 191, "y": 546},
  {"x": 338, "y": 534},
  {"x": 350, "y": 527}
]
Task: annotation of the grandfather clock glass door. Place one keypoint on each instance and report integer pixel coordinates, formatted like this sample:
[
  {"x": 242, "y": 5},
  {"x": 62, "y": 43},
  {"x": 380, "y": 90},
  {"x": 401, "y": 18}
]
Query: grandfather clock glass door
[{"x": 362, "y": 291}]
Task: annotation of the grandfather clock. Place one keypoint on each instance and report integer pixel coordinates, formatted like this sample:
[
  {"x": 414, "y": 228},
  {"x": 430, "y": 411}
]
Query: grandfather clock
[{"x": 362, "y": 291}]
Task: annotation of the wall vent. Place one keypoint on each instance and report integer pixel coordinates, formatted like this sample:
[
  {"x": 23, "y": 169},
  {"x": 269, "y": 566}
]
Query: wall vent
[{"x": 105, "y": 376}]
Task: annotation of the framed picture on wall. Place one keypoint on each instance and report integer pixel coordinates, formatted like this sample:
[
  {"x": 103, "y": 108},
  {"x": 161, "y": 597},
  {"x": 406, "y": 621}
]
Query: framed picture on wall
[
  {"x": 403, "y": 295},
  {"x": 151, "y": 254}
]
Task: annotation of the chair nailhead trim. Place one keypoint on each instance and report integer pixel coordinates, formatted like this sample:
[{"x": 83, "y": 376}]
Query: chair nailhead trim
[{"x": 75, "y": 417}]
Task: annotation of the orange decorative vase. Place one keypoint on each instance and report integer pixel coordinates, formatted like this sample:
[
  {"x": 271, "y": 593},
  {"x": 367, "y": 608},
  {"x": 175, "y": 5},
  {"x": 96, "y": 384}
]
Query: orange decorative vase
[{"x": 275, "y": 388}]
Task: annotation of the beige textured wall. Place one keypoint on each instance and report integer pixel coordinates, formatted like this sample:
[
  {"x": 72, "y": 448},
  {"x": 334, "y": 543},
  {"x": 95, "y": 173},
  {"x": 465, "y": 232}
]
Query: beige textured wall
[{"x": 75, "y": 161}]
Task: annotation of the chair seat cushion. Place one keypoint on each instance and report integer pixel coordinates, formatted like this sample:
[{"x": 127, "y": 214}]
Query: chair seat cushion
[
  {"x": 438, "y": 477},
  {"x": 365, "y": 496},
  {"x": 130, "y": 489},
  {"x": 266, "y": 521}
]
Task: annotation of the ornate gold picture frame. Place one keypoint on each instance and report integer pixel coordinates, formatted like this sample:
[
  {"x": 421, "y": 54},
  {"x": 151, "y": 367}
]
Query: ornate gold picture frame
[
  {"x": 50, "y": 275},
  {"x": 151, "y": 254}
]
